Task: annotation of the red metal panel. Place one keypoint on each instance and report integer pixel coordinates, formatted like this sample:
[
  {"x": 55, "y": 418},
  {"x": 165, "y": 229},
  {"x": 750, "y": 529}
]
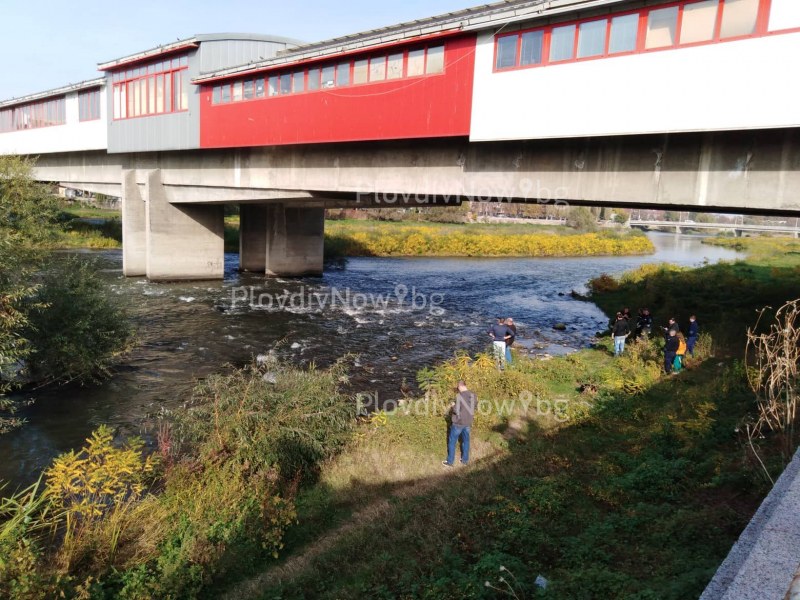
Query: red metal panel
[{"x": 436, "y": 105}]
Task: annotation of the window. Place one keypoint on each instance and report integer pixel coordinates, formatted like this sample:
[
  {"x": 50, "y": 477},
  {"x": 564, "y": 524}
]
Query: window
[
  {"x": 739, "y": 18},
  {"x": 592, "y": 38},
  {"x": 394, "y": 68},
  {"x": 624, "y": 33},
  {"x": 422, "y": 61},
  {"x": 377, "y": 68},
  {"x": 43, "y": 113},
  {"x": 360, "y": 71},
  {"x": 286, "y": 84},
  {"x": 157, "y": 88},
  {"x": 699, "y": 21},
  {"x": 435, "y": 62},
  {"x": 562, "y": 43},
  {"x": 784, "y": 14},
  {"x": 343, "y": 74},
  {"x": 661, "y": 26},
  {"x": 313, "y": 79},
  {"x": 298, "y": 82},
  {"x": 249, "y": 90},
  {"x": 416, "y": 63},
  {"x": 328, "y": 76},
  {"x": 506, "y": 52},
  {"x": 532, "y": 47},
  {"x": 89, "y": 105}
]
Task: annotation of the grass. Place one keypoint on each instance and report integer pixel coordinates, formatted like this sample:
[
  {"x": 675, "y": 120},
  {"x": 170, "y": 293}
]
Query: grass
[
  {"x": 373, "y": 238},
  {"x": 629, "y": 491}
]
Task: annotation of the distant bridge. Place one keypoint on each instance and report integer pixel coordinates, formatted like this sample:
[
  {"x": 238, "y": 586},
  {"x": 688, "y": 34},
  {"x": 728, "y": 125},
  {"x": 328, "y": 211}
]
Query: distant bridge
[{"x": 679, "y": 226}]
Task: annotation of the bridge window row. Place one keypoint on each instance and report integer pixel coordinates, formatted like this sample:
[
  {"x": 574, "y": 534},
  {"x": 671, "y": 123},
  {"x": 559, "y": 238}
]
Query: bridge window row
[
  {"x": 158, "y": 88},
  {"x": 684, "y": 23},
  {"x": 89, "y": 105},
  {"x": 384, "y": 67},
  {"x": 44, "y": 113}
]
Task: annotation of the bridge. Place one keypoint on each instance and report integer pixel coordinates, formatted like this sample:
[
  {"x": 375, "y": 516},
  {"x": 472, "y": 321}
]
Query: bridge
[
  {"x": 679, "y": 104},
  {"x": 679, "y": 226}
]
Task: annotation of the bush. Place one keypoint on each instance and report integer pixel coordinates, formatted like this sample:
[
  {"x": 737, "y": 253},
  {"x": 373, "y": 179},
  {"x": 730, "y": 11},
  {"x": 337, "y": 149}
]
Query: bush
[
  {"x": 75, "y": 327},
  {"x": 581, "y": 219}
]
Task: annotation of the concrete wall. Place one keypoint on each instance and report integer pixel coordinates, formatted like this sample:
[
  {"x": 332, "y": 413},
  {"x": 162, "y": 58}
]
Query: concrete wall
[
  {"x": 743, "y": 84},
  {"x": 755, "y": 171},
  {"x": 74, "y": 136}
]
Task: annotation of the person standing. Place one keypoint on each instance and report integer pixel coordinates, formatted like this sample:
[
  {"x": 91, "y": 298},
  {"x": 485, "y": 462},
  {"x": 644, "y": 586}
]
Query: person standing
[
  {"x": 462, "y": 414},
  {"x": 621, "y": 331},
  {"x": 510, "y": 342},
  {"x": 670, "y": 350},
  {"x": 500, "y": 334},
  {"x": 672, "y": 325},
  {"x": 692, "y": 334},
  {"x": 645, "y": 323}
]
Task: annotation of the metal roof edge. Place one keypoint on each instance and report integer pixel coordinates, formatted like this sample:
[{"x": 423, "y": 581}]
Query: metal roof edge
[
  {"x": 474, "y": 19},
  {"x": 72, "y": 87}
]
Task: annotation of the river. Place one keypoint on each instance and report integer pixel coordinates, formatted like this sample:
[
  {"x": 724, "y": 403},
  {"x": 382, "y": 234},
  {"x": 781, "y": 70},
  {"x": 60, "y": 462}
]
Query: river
[{"x": 397, "y": 314}]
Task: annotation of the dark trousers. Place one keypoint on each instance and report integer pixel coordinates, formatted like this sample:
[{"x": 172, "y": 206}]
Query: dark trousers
[
  {"x": 690, "y": 342},
  {"x": 669, "y": 358}
]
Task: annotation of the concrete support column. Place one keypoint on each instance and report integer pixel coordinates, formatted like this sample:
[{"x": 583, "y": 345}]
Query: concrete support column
[
  {"x": 253, "y": 238},
  {"x": 183, "y": 241},
  {"x": 295, "y": 238},
  {"x": 134, "y": 237}
]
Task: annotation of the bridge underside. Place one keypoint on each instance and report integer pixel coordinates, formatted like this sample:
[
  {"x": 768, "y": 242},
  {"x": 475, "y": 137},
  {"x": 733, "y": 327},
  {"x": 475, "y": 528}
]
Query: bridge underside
[{"x": 754, "y": 172}]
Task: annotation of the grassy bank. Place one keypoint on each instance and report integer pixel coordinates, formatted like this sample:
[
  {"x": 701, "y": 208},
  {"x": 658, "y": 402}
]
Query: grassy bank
[
  {"x": 724, "y": 296},
  {"x": 635, "y": 487},
  {"x": 374, "y": 238},
  {"x": 110, "y": 521}
]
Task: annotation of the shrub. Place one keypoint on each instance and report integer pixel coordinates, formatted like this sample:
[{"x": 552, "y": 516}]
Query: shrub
[{"x": 76, "y": 328}]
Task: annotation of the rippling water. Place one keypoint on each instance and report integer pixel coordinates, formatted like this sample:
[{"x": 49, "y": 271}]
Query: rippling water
[{"x": 397, "y": 314}]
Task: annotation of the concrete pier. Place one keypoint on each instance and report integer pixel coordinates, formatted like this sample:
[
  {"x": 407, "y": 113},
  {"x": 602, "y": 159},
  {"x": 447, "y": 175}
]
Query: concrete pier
[
  {"x": 295, "y": 239},
  {"x": 253, "y": 238},
  {"x": 134, "y": 221},
  {"x": 184, "y": 242}
]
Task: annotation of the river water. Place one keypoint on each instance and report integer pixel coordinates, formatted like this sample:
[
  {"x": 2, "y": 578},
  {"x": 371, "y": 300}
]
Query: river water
[{"x": 397, "y": 314}]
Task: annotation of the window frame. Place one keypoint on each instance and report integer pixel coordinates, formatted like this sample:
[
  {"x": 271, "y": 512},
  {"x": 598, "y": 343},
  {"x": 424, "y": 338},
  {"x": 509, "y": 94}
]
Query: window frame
[
  {"x": 761, "y": 30},
  {"x": 137, "y": 78}
]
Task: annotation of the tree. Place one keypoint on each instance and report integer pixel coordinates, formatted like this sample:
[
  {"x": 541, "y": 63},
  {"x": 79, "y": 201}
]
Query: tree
[{"x": 581, "y": 219}]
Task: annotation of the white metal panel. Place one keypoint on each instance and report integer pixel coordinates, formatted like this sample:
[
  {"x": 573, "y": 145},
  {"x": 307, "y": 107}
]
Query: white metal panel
[
  {"x": 784, "y": 14},
  {"x": 745, "y": 84},
  {"x": 74, "y": 136}
]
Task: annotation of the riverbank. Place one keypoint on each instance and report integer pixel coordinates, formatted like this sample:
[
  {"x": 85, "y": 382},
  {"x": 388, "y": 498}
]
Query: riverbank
[
  {"x": 376, "y": 238},
  {"x": 598, "y": 474}
]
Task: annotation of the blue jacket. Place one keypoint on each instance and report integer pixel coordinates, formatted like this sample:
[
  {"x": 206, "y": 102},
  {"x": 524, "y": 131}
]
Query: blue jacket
[{"x": 694, "y": 329}]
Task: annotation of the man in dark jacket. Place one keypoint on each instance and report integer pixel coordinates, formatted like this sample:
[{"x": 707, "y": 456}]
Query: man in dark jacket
[
  {"x": 510, "y": 341},
  {"x": 692, "y": 334},
  {"x": 645, "y": 324},
  {"x": 500, "y": 334},
  {"x": 621, "y": 331},
  {"x": 670, "y": 350},
  {"x": 462, "y": 413}
]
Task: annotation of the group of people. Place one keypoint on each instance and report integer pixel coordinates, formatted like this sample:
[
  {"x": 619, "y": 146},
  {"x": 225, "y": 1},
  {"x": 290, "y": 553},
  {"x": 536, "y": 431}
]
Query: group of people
[
  {"x": 462, "y": 410},
  {"x": 676, "y": 344},
  {"x": 503, "y": 334}
]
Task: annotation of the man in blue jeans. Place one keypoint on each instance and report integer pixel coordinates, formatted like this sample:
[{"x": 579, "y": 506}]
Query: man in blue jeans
[{"x": 462, "y": 413}]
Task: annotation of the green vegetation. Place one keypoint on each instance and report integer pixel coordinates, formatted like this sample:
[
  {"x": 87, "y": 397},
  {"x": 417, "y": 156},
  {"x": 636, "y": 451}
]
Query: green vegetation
[
  {"x": 216, "y": 498},
  {"x": 373, "y": 238},
  {"x": 56, "y": 321}
]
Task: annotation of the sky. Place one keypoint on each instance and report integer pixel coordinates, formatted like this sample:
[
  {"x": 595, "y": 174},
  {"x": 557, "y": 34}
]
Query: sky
[{"x": 49, "y": 43}]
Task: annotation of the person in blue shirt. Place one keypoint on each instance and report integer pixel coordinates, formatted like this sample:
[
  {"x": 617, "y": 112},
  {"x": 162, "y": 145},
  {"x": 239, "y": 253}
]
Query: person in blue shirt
[{"x": 692, "y": 334}]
